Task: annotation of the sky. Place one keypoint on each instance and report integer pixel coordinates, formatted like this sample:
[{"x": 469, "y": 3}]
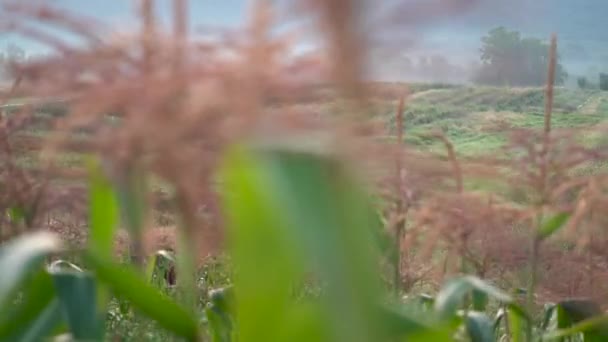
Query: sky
[
  {"x": 448, "y": 27},
  {"x": 119, "y": 14},
  {"x": 224, "y": 12},
  {"x": 456, "y": 27}
]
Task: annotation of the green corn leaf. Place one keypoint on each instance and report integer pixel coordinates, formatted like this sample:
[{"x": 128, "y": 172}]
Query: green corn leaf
[
  {"x": 562, "y": 319},
  {"x": 30, "y": 318},
  {"x": 151, "y": 268},
  {"x": 77, "y": 295},
  {"x": 63, "y": 265},
  {"x": 518, "y": 323},
  {"x": 405, "y": 323},
  {"x": 479, "y": 327},
  {"x": 257, "y": 237},
  {"x": 426, "y": 301},
  {"x": 552, "y": 225},
  {"x": 548, "y": 314},
  {"x": 103, "y": 212},
  {"x": 126, "y": 283},
  {"x": 157, "y": 265},
  {"x": 186, "y": 268},
  {"x": 220, "y": 325},
  {"x": 593, "y": 329},
  {"x": 568, "y": 313},
  {"x": 131, "y": 191},
  {"x": 44, "y": 323},
  {"x": 103, "y": 220},
  {"x": 334, "y": 222},
  {"x": 21, "y": 257},
  {"x": 295, "y": 210},
  {"x": 480, "y": 300},
  {"x": 223, "y": 299},
  {"x": 16, "y": 214},
  {"x": 305, "y": 322},
  {"x": 499, "y": 318},
  {"x": 219, "y": 314},
  {"x": 401, "y": 323},
  {"x": 580, "y": 309},
  {"x": 452, "y": 295}
]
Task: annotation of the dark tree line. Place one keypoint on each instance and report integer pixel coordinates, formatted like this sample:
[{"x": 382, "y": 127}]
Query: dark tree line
[{"x": 508, "y": 59}]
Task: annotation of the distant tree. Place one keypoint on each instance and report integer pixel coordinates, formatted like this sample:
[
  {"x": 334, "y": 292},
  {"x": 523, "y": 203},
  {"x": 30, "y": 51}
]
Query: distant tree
[
  {"x": 510, "y": 60},
  {"x": 582, "y": 82},
  {"x": 603, "y": 81}
]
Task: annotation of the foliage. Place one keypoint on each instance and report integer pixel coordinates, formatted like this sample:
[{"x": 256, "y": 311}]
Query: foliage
[
  {"x": 512, "y": 60},
  {"x": 297, "y": 213},
  {"x": 582, "y": 82},
  {"x": 37, "y": 301},
  {"x": 604, "y": 81}
]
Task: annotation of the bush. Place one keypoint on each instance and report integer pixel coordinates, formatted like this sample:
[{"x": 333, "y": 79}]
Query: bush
[{"x": 603, "y": 81}]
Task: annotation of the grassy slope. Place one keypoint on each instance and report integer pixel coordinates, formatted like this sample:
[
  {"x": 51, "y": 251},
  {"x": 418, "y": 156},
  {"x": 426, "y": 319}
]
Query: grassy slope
[{"x": 476, "y": 119}]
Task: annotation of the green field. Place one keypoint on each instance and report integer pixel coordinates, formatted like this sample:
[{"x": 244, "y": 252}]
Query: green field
[{"x": 476, "y": 119}]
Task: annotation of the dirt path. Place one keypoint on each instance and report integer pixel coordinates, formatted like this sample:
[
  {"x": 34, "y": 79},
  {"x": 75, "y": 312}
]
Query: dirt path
[
  {"x": 425, "y": 93},
  {"x": 592, "y": 104}
]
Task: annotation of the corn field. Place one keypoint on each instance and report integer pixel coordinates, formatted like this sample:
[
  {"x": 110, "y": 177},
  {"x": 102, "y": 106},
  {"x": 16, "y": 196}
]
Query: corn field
[{"x": 187, "y": 189}]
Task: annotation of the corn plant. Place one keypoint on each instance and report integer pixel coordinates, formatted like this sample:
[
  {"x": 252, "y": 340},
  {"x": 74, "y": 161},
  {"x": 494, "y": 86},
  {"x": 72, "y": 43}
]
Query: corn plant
[{"x": 293, "y": 215}]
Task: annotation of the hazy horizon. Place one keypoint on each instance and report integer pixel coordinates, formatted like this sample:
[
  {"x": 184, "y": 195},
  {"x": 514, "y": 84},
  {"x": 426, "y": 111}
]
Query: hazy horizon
[{"x": 412, "y": 28}]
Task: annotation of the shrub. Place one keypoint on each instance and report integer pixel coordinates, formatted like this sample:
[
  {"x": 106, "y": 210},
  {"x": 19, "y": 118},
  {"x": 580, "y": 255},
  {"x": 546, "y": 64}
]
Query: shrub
[{"x": 603, "y": 81}]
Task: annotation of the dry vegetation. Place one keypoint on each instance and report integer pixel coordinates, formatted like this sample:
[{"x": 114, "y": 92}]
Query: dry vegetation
[{"x": 166, "y": 105}]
